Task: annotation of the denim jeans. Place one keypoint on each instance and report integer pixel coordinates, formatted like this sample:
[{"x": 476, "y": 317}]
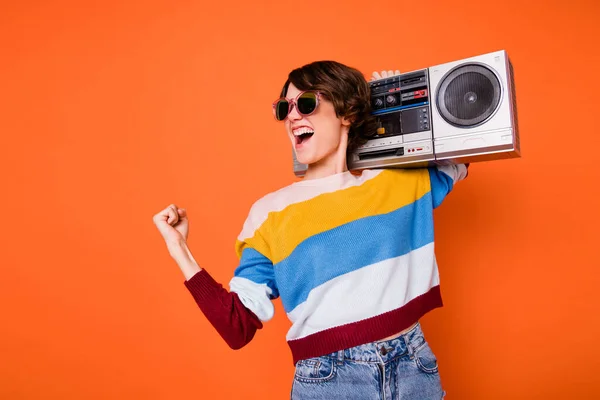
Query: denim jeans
[{"x": 401, "y": 368}]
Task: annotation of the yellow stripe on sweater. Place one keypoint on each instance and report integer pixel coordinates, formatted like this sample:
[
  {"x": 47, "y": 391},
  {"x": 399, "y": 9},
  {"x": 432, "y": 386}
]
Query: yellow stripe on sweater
[{"x": 286, "y": 229}]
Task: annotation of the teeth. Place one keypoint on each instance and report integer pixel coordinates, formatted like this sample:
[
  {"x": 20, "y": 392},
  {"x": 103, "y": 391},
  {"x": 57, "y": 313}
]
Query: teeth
[{"x": 302, "y": 131}]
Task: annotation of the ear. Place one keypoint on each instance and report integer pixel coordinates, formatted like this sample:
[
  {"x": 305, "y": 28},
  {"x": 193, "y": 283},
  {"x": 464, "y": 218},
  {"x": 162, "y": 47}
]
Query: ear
[{"x": 347, "y": 121}]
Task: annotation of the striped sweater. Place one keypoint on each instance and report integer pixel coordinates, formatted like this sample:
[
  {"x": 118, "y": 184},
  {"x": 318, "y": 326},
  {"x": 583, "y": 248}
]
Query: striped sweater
[{"x": 350, "y": 256}]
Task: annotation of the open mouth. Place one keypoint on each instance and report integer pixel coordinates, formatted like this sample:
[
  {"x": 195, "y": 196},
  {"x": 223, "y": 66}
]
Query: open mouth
[
  {"x": 303, "y": 137},
  {"x": 302, "y": 134}
]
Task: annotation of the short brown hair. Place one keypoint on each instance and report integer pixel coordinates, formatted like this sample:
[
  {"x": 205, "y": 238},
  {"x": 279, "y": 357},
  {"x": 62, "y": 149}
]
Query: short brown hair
[{"x": 346, "y": 88}]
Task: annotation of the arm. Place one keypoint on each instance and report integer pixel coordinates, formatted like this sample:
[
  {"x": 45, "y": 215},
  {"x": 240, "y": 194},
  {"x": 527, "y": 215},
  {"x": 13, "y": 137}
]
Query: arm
[
  {"x": 237, "y": 314},
  {"x": 443, "y": 178},
  {"x": 224, "y": 310}
]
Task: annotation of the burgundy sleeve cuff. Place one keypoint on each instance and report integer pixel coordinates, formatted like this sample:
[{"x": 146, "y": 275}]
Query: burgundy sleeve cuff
[{"x": 202, "y": 285}]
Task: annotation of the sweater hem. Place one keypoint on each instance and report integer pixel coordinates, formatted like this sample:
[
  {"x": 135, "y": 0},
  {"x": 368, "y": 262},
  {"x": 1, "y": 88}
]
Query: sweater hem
[{"x": 367, "y": 330}]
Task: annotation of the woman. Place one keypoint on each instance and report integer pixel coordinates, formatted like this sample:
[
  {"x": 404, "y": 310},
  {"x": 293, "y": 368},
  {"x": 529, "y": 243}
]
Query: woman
[{"x": 350, "y": 254}]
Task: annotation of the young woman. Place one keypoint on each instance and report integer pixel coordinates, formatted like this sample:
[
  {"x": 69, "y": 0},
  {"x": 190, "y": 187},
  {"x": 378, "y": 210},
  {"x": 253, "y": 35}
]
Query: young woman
[{"x": 350, "y": 254}]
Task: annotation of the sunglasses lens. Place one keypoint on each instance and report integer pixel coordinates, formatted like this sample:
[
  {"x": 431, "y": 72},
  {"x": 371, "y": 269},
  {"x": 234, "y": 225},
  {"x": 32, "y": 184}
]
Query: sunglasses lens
[
  {"x": 307, "y": 103},
  {"x": 281, "y": 109}
]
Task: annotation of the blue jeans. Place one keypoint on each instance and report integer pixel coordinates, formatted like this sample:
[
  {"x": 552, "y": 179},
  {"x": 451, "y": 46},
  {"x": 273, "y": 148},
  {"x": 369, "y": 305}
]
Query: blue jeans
[{"x": 401, "y": 368}]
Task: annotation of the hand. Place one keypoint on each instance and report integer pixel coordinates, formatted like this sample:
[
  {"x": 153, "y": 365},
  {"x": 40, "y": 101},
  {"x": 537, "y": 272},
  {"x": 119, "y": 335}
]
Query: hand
[
  {"x": 384, "y": 74},
  {"x": 173, "y": 224}
]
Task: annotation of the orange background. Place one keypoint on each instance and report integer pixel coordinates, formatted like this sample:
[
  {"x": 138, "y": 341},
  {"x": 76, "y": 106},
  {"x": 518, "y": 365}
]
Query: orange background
[{"x": 112, "y": 110}]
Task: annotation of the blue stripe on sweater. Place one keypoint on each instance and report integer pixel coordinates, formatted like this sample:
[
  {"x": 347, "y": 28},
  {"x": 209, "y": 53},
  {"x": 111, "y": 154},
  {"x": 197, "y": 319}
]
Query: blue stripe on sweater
[
  {"x": 257, "y": 268},
  {"x": 367, "y": 241}
]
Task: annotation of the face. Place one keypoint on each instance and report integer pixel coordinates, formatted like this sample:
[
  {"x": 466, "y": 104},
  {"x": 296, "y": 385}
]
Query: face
[{"x": 317, "y": 138}]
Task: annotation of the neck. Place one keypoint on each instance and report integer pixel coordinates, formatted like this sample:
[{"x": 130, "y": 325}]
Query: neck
[{"x": 334, "y": 163}]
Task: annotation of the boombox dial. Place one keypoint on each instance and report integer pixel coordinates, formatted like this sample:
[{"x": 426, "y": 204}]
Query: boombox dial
[{"x": 391, "y": 100}]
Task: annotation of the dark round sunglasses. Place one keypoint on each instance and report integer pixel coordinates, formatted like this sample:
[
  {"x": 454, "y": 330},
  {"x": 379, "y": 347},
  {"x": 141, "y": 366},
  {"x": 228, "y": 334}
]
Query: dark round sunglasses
[{"x": 306, "y": 103}]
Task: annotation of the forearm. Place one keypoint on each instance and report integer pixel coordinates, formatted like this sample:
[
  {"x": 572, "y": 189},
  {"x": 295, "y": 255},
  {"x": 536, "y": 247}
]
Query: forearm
[{"x": 182, "y": 255}]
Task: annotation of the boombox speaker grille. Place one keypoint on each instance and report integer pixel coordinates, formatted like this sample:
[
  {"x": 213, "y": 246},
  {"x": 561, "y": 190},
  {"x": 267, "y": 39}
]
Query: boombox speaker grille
[{"x": 468, "y": 95}]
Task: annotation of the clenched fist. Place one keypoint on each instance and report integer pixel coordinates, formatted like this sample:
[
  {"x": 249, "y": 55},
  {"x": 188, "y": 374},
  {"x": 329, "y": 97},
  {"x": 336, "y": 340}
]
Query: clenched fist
[{"x": 173, "y": 224}]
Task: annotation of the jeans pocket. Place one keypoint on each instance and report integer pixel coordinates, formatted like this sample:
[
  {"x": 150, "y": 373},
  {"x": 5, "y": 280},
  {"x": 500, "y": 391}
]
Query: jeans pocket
[
  {"x": 425, "y": 359},
  {"x": 315, "y": 370}
]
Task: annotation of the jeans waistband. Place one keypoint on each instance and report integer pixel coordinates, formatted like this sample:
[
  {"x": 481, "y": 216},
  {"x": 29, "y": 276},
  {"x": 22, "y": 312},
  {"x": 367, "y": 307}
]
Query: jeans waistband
[{"x": 386, "y": 350}]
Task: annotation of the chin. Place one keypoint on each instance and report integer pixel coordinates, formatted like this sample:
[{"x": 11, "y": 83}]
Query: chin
[
  {"x": 306, "y": 160},
  {"x": 309, "y": 158}
]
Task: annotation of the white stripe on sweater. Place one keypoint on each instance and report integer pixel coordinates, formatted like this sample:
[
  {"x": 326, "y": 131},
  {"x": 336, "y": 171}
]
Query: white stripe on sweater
[
  {"x": 365, "y": 293},
  {"x": 254, "y": 296},
  {"x": 457, "y": 172}
]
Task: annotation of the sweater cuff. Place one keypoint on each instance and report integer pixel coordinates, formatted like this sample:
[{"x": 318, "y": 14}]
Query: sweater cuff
[{"x": 202, "y": 285}]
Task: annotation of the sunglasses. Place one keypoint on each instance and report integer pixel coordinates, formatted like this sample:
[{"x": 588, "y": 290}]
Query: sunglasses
[{"x": 306, "y": 103}]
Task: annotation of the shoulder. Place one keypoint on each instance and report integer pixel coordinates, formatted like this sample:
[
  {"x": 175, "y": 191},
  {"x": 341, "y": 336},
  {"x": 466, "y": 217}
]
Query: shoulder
[
  {"x": 405, "y": 176},
  {"x": 273, "y": 201},
  {"x": 263, "y": 206}
]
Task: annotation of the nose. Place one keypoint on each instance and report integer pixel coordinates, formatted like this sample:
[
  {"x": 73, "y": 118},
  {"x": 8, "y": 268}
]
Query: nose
[{"x": 294, "y": 115}]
